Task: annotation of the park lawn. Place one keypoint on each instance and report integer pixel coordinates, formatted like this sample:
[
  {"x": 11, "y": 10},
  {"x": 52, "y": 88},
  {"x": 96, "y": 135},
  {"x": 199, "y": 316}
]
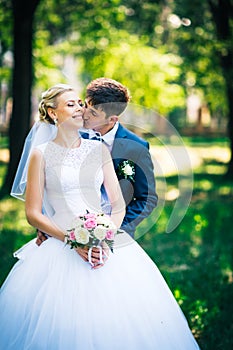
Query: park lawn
[{"x": 195, "y": 258}]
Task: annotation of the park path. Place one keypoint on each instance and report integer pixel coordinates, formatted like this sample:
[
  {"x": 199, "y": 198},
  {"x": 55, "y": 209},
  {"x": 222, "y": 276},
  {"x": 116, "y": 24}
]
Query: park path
[{"x": 169, "y": 160}]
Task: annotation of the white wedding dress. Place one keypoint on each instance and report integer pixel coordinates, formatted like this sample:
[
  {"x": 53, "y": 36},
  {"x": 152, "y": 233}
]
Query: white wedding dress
[{"x": 53, "y": 300}]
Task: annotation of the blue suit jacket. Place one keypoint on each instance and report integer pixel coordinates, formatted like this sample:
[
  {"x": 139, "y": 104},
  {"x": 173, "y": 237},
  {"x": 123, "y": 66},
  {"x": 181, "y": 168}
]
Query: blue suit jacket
[{"x": 139, "y": 195}]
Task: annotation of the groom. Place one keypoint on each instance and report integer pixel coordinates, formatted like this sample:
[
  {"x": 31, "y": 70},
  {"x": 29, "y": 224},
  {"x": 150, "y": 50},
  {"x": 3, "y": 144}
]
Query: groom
[{"x": 106, "y": 99}]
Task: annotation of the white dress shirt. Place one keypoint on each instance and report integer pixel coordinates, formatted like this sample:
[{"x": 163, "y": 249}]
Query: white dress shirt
[{"x": 109, "y": 137}]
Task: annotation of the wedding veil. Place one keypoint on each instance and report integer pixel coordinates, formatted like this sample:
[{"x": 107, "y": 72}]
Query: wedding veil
[{"x": 40, "y": 133}]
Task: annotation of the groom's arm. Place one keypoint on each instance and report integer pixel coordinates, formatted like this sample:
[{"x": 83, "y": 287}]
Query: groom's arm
[{"x": 144, "y": 198}]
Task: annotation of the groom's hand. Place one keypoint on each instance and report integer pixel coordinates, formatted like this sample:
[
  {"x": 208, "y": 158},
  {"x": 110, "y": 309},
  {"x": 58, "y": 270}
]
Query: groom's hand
[
  {"x": 41, "y": 237},
  {"x": 83, "y": 252}
]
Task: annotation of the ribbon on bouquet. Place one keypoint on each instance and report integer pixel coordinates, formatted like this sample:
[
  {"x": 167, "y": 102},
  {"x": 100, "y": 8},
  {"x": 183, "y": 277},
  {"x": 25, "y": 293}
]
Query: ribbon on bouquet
[{"x": 101, "y": 254}]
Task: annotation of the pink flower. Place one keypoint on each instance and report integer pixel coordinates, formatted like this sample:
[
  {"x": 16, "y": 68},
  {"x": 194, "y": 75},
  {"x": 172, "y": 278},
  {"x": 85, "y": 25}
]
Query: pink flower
[
  {"x": 90, "y": 223},
  {"x": 110, "y": 235},
  {"x": 90, "y": 216},
  {"x": 72, "y": 236}
]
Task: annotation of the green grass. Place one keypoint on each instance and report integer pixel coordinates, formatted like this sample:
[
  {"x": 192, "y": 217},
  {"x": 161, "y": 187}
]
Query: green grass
[{"x": 195, "y": 259}]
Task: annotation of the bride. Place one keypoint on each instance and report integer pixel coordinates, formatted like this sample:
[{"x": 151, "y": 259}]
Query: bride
[{"x": 52, "y": 298}]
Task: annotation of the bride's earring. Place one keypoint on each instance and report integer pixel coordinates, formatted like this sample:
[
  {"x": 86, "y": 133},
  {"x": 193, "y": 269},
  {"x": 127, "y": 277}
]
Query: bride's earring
[{"x": 55, "y": 121}]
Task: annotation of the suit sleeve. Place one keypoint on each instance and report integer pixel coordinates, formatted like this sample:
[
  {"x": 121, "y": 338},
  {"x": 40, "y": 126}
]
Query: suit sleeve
[{"x": 144, "y": 198}]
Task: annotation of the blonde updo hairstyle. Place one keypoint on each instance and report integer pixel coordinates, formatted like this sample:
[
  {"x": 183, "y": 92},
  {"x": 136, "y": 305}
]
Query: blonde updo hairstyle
[{"x": 49, "y": 100}]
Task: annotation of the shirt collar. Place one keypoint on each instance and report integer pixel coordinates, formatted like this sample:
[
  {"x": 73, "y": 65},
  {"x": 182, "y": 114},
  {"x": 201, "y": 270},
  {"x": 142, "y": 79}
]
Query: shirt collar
[{"x": 109, "y": 137}]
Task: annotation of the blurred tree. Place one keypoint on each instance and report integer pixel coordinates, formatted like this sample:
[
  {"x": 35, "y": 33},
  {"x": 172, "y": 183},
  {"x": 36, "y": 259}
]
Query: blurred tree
[
  {"x": 222, "y": 12},
  {"x": 23, "y": 12},
  {"x": 95, "y": 34},
  {"x": 5, "y": 39},
  {"x": 201, "y": 33},
  {"x": 149, "y": 73},
  {"x": 206, "y": 47}
]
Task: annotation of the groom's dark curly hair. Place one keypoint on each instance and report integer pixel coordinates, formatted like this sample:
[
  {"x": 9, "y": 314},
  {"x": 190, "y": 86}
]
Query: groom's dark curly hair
[{"x": 108, "y": 95}]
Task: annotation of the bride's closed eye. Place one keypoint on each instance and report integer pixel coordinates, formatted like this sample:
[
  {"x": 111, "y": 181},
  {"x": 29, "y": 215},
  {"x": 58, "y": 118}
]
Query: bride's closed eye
[{"x": 79, "y": 102}]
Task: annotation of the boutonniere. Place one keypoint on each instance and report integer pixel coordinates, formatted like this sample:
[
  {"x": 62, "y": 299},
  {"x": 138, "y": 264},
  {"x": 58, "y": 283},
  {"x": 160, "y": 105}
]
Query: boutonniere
[{"x": 126, "y": 169}]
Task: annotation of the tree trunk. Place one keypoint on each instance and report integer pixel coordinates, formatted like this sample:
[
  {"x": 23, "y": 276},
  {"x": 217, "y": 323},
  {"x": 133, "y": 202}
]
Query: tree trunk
[
  {"x": 222, "y": 12},
  {"x": 23, "y": 13}
]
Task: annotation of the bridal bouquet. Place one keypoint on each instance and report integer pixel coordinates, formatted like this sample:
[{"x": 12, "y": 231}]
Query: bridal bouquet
[{"x": 92, "y": 230}]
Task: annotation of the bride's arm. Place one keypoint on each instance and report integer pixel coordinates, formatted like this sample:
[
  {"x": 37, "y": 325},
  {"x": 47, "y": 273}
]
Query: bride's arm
[
  {"x": 34, "y": 197},
  {"x": 113, "y": 189}
]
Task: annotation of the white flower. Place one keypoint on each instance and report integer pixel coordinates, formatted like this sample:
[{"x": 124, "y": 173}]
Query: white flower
[
  {"x": 77, "y": 222},
  {"x": 100, "y": 232},
  {"x": 81, "y": 235},
  {"x": 112, "y": 226},
  {"x": 106, "y": 221},
  {"x": 128, "y": 170},
  {"x": 103, "y": 220}
]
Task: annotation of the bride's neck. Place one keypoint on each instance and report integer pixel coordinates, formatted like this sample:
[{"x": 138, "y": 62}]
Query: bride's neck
[{"x": 69, "y": 139}]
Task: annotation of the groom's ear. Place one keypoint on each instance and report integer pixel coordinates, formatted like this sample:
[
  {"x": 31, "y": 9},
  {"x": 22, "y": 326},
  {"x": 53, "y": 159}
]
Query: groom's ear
[{"x": 113, "y": 118}]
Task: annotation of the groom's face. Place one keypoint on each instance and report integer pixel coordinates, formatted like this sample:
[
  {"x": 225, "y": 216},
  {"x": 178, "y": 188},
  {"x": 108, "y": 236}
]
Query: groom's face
[{"x": 95, "y": 118}]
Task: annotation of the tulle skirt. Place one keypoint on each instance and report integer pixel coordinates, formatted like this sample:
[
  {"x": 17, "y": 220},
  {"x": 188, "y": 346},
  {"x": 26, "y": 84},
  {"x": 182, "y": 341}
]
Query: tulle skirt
[{"x": 54, "y": 300}]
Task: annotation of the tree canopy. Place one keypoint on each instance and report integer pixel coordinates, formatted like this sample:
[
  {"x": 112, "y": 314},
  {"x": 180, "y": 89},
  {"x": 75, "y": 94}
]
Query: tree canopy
[{"x": 162, "y": 51}]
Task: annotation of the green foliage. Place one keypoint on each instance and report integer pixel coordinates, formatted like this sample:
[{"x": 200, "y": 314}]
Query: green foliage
[
  {"x": 154, "y": 83},
  {"x": 5, "y": 25},
  {"x": 149, "y": 73},
  {"x": 137, "y": 43},
  {"x": 5, "y": 40},
  {"x": 199, "y": 47},
  {"x": 134, "y": 41}
]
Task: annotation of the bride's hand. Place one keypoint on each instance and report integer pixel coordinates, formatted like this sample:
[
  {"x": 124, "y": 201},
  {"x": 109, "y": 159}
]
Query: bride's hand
[
  {"x": 83, "y": 253},
  {"x": 95, "y": 255}
]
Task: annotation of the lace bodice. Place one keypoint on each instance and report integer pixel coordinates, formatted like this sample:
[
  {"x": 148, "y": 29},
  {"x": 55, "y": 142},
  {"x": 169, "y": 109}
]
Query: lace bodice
[{"x": 73, "y": 177}]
